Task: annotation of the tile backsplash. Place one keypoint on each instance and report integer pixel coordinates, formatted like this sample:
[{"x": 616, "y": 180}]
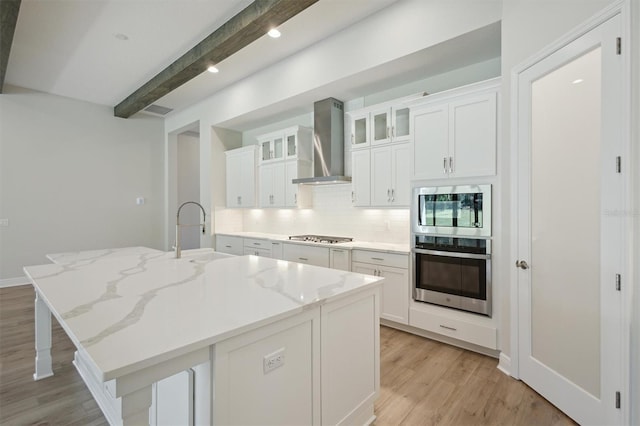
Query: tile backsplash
[{"x": 331, "y": 214}]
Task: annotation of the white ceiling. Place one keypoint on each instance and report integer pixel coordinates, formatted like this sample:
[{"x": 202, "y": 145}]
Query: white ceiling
[{"x": 74, "y": 48}]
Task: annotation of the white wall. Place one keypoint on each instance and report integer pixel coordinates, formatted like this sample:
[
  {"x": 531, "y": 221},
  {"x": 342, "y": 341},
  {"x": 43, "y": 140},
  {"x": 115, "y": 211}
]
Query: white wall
[
  {"x": 70, "y": 173},
  {"x": 189, "y": 189}
]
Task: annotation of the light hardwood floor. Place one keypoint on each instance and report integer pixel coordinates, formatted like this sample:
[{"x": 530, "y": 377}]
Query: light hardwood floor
[{"x": 423, "y": 382}]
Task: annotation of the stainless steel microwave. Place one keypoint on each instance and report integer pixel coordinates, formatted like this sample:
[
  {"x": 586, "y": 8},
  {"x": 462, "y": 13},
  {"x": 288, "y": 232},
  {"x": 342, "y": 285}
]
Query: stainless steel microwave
[{"x": 461, "y": 210}]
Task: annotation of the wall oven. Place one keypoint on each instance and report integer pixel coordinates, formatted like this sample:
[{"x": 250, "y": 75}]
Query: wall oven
[
  {"x": 451, "y": 246},
  {"x": 453, "y": 272}
]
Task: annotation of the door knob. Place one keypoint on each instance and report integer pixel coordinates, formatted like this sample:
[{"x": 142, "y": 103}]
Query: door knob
[{"x": 522, "y": 264}]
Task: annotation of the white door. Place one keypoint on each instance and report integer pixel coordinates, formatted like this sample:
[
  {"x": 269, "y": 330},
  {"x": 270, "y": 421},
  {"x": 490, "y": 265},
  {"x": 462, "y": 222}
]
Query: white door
[
  {"x": 381, "y": 176},
  {"x": 430, "y": 130},
  {"x": 569, "y": 238}
]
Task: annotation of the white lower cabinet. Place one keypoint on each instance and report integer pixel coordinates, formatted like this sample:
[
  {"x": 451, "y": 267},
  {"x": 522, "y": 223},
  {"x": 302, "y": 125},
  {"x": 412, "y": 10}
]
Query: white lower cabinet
[
  {"x": 395, "y": 288},
  {"x": 312, "y": 255},
  {"x": 308, "y": 369},
  {"x": 276, "y": 249},
  {"x": 458, "y": 325},
  {"x": 230, "y": 244},
  {"x": 340, "y": 259},
  {"x": 257, "y": 247}
]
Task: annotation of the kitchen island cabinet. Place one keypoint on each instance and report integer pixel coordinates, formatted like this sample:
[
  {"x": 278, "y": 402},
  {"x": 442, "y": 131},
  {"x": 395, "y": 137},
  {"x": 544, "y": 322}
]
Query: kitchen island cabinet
[{"x": 250, "y": 320}]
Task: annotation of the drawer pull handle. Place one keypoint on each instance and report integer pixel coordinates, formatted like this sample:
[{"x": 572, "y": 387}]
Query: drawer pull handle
[
  {"x": 448, "y": 328},
  {"x": 303, "y": 258},
  {"x": 378, "y": 258},
  {"x": 228, "y": 246},
  {"x": 337, "y": 250},
  {"x": 257, "y": 244}
]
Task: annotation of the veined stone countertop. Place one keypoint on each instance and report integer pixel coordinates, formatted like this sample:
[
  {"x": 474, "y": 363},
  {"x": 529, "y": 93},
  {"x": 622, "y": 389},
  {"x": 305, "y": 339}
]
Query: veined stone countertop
[
  {"x": 365, "y": 245},
  {"x": 131, "y": 308}
]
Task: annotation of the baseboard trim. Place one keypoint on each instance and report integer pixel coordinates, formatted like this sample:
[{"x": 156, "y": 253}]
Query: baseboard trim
[
  {"x": 504, "y": 364},
  {"x": 14, "y": 282}
]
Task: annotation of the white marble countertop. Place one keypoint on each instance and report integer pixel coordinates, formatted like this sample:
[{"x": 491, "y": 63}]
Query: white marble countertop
[
  {"x": 134, "y": 307},
  {"x": 365, "y": 245}
]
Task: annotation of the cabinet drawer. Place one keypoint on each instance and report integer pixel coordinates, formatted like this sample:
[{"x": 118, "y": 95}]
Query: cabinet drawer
[
  {"x": 257, "y": 243},
  {"x": 311, "y": 255},
  {"x": 380, "y": 258},
  {"x": 476, "y": 333},
  {"x": 229, "y": 244}
]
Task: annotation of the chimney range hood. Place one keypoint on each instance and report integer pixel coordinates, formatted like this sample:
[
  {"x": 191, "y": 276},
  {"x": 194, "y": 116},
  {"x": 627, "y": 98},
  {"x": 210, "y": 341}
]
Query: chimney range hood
[{"x": 328, "y": 144}]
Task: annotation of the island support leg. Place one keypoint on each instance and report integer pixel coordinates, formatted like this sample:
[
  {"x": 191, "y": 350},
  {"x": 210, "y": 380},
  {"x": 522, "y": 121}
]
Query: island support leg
[
  {"x": 135, "y": 407},
  {"x": 43, "y": 339}
]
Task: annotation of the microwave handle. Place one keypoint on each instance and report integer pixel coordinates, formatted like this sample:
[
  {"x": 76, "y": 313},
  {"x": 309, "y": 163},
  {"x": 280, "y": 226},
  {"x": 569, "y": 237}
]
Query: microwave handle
[{"x": 453, "y": 254}]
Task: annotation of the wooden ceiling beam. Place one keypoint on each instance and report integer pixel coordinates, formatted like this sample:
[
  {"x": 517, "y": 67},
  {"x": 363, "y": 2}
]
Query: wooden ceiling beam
[
  {"x": 8, "y": 18},
  {"x": 247, "y": 26}
]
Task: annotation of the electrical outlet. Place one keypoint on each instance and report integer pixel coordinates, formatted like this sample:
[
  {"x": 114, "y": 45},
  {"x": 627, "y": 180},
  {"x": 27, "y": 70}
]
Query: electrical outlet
[
  {"x": 273, "y": 360},
  {"x": 4, "y": 222}
]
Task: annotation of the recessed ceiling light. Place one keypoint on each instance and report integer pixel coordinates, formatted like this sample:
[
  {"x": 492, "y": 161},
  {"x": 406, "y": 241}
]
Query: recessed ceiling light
[
  {"x": 274, "y": 33},
  {"x": 213, "y": 69},
  {"x": 577, "y": 81},
  {"x": 121, "y": 36}
]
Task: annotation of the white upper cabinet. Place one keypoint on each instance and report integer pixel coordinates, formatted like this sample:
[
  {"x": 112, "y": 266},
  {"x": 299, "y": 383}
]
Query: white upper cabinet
[
  {"x": 359, "y": 125},
  {"x": 455, "y": 134},
  {"x": 284, "y": 155},
  {"x": 241, "y": 177},
  {"x": 293, "y": 143},
  {"x": 390, "y": 175},
  {"x": 390, "y": 124},
  {"x": 360, "y": 178}
]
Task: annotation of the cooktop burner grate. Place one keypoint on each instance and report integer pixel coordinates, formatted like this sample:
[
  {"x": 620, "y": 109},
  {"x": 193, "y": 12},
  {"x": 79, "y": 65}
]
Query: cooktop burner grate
[{"x": 320, "y": 239}]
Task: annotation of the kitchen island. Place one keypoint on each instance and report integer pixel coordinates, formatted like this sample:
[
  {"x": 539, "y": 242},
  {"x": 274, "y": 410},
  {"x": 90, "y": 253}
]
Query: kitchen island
[{"x": 283, "y": 342}]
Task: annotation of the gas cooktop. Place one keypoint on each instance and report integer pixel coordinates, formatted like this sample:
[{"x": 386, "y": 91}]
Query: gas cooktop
[{"x": 320, "y": 239}]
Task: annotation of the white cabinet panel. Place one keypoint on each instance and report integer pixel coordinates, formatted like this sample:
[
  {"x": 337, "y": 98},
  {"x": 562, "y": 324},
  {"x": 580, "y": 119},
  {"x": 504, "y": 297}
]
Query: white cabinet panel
[
  {"x": 257, "y": 247},
  {"x": 390, "y": 175},
  {"x": 241, "y": 177},
  {"x": 431, "y": 142},
  {"x": 276, "y": 250},
  {"x": 394, "y": 305},
  {"x": 229, "y": 244},
  {"x": 340, "y": 259},
  {"x": 361, "y": 175},
  {"x": 456, "y": 136},
  {"x": 173, "y": 400},
  {"x": 473, "y": 136},
  {"x": 312, "y": 255}
]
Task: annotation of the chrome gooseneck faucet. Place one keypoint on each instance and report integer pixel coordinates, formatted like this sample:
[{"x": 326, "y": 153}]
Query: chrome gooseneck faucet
[{"x": 176, "y": 247}]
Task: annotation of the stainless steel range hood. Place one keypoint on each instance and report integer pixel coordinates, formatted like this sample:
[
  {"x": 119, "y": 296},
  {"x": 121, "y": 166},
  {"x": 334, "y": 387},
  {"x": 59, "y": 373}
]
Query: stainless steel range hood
[{"x": 328, "y": 144}]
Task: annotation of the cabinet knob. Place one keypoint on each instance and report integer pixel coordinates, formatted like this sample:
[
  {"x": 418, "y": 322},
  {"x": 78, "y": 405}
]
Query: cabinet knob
[{"x": 522, "y": 264}]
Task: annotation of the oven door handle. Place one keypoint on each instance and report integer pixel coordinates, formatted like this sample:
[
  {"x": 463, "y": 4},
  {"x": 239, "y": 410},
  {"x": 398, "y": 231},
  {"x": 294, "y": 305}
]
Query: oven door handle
[{"x": 453, "y": 254}]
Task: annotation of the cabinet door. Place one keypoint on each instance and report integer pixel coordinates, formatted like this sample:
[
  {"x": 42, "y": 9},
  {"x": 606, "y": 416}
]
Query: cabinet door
[
  {"x": 401, "y": 177},
  {"x": 290, "y": 189},
  {"x": 430, "y": 132},
  {"x": 400, "y": 129},
  {"x": 360, "y": 180},
  {"x": 394, "y": 304},
  {"x": 266, "y": 185},
  {"x": 340, "y": 259},
  {"x": 380, "y": 126},
  {"x": 278, "y": 185},
  {"x": 234, "y": 180},
  {"x": 257, "y": 251},
  {"x": 247, "y": 179},
  {"x": 395, "y": 294},
  {"x": 276, "y": 249},
  {"x": 381, "y": 176},
  {"x": 291, "y": 145},
  {"x": 241, "y": 177},
  {"x": 359, "y": 130},
  {"x": 472, "y": 145}
]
